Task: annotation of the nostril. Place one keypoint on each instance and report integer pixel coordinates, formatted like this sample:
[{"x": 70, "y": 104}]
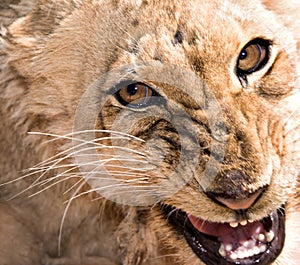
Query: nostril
[{"x": 236, "y": 203}]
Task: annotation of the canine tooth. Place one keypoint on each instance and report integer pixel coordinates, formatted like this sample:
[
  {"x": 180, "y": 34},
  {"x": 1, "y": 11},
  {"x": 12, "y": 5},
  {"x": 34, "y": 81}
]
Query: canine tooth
[
  {"x": 262, "y": 248},
  {"x": 228, "y": 247},
  {"x": 270, "y": 236},
  {"x": 256, "y": 250},
  {"x": 233, "y": 224},
  {"x": 261, "y": 237},
  {"x": 244, "y": 222},
  {"x": 233, "y": 256},
  {"x": 222, "y": 251}
]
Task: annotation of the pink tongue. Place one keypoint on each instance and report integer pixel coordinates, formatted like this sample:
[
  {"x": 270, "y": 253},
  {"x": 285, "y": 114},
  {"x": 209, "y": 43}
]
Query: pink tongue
[{"x": 227, "y": 234}]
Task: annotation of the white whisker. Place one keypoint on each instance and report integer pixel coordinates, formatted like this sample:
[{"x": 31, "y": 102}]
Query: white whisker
[
  {"x": 52, "y": 185},
  {"x": 83, "y": 142},
  {"x": 121, "y": 189},
  {"x": 118, "y": 174},
  {"x": 291, "y": 115},
  {"x": 64, "y": 217},
  {"x": 50, "y": 160},
  {"x": 291, "y": 130},
  {"x": 73, "y": 186},
  {"x": 69, "y": 136}
]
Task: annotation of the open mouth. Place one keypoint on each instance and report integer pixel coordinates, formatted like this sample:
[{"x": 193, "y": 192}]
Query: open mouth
[{"x": 245, "y": 243}]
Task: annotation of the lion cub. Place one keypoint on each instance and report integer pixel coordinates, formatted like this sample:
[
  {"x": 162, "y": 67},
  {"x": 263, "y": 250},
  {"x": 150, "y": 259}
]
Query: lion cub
[{"x": 149, "y": 132}]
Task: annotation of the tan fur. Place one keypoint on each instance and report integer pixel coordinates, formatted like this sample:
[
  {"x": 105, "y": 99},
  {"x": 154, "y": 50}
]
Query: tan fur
[{"x": 54, "y": 53}]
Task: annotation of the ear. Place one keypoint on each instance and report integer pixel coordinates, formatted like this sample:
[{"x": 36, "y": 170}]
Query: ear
[
  {"x": 10, "y": 10},
  {"x": 39, "y": 17},
  {"x": 289, "y": 12}
]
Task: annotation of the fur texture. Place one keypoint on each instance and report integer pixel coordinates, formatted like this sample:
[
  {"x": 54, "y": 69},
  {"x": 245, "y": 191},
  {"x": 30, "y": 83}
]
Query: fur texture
[{"x": 52, "y": 51}]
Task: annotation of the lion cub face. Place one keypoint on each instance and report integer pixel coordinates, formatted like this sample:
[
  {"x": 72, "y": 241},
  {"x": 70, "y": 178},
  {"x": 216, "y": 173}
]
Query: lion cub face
[{"x": 190, "y": 107}]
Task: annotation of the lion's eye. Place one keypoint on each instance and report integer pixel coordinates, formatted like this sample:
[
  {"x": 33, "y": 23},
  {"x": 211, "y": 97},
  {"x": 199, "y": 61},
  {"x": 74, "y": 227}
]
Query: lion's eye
[
  {"x": 135, "y": 95},
  {"x": 253, "y": 57}
]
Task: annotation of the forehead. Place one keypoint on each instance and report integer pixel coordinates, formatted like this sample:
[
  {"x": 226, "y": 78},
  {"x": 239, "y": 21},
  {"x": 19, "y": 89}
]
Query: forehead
[
  {"x": 210, "y": 30},
  {"x": 211, "y": 17},
  {"x": 209, "y": 25}
]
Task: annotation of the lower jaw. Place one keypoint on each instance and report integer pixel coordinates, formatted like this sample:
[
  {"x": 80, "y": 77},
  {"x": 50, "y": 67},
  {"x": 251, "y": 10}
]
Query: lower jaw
[{"x": 207, "y": 247}]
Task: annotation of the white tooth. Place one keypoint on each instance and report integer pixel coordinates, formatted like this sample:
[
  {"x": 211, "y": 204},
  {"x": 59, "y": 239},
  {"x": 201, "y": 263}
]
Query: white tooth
[
  {"x": 244, "y": 222},
  {"x": 240, "y": 255},
  {"x": 249, "y": 244},
  {"x": 261, "y": 237},
  {"x": 247, "y": 254},
  {"x": 228, "y": 247},
  {"x": 270, "y": 236},
  {"x": 233, "y": 256},
  {"x": 250, "y": 221},
  {"x": 246, "y": 244},
  {"x": 256, "y": 250},
  {"x": 250, "y": 252},
  {"x": 234, "y": 224},
  {"x": 263, "y": 248},
  {"x": 222, "y": 251}
]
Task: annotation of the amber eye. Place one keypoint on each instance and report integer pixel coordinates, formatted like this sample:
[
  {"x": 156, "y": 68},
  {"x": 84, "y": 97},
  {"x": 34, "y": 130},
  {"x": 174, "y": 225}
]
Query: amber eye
[
  {"x": 253, "y": 57},
  {"x": 135, "y": 95}
]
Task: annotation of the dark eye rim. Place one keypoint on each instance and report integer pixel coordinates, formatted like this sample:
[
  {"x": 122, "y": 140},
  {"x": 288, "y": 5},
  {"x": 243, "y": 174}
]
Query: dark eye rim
[
  {"x": 123, "y": 102},
  {"x": 266, "y": 44}
]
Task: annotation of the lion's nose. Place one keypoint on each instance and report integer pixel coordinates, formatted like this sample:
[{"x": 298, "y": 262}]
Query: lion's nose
[{"x": 236, "y": 203}]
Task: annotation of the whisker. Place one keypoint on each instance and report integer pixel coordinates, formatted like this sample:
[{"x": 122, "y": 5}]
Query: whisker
[
  {"x": 49, "y": 160},
  {"x": 69, "y": 136},
  {"x": 63, "y": 174},
  {"x": 170, "y": 213},
  {"x": 38, "y": 169},
  {"x": 40, "y": 183},
  {"x": 53, "y": 159},
  {"x": 131, "y": 168},
  {"x": 121, "y": 189},
  {"x": 51, "y": 167},
  {"x": 42, "y": 169},
  {"x": 12, "y": 181},
  {"x": 73, "y": 186},
  {"x": 143, "y": 193},
  {"x": 52, "y": 185},
  {"x": 75, "y": 153},
  {"x": 80, "y": 152},
  {"x": 64, "y": 217},
  {"x": 167, "y": 255},
  {"x": 74, "y": 166},
  {"x": 48, "y": 180},
  {"x": 291, "y": 115},
  {"x": 119, "y": 173},
  {"x": 43, "y": 166},
  {"x": 37, "y": 182},
  {"x": 291, "y": 130}
]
